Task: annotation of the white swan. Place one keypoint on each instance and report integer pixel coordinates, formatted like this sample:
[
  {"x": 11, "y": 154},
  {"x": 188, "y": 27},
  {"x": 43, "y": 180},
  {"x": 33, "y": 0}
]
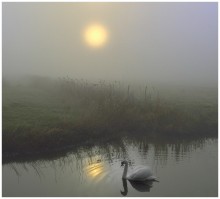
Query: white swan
[{"x": 139, "y": 173}]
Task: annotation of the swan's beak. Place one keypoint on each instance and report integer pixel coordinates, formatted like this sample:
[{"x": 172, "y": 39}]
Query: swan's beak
[{"x": 124, "y": 193}]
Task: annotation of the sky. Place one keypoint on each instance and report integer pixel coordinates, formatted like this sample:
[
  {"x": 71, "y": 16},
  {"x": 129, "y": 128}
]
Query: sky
[{"x": 158, "y": 42}]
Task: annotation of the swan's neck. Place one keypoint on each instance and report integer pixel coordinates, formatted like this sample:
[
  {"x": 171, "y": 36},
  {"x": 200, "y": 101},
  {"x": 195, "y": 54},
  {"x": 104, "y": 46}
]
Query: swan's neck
[
  {"x": 124, "y": 176},
  {"x": 125, "y": 192}
]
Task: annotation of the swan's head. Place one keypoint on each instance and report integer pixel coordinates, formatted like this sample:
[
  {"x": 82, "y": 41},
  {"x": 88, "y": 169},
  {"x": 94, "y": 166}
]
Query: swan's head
[{"x": 124, "y": 162}]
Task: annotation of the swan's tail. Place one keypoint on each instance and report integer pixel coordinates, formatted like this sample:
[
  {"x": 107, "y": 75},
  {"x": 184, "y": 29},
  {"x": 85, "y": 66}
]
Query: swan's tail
[
  {"x": 153, "y": 178},
  {"x": 156, "y": 180}
]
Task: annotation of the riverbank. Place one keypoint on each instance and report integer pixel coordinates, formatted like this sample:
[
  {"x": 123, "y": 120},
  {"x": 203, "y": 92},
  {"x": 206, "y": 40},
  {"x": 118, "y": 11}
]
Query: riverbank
[{"x": 42, "y": 115}]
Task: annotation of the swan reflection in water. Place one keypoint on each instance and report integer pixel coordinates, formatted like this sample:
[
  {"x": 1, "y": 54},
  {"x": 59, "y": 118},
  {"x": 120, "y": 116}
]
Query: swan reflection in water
[
  {"x": 141, "y": 178},
  {"x": 141, "y": 186}
]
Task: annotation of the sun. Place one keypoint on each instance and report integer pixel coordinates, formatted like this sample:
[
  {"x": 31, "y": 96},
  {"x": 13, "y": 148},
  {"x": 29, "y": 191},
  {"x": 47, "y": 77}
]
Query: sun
[{"x": 96, "y": 35}]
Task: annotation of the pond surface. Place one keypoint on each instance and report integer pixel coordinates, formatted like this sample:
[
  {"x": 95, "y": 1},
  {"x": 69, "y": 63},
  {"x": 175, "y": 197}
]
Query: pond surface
[{"x": 183, "y": 169}]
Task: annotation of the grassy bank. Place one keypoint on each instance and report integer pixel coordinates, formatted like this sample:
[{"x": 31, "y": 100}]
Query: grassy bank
[{"x": 41, "y": 114}]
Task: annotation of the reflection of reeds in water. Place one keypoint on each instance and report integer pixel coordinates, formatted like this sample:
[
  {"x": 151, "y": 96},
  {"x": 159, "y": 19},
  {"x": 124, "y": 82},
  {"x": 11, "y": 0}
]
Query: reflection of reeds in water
[
  {"x": 162, "y": 150},
  {"x": 96, "y": 163},
  {"x": 87, "y": 161}
]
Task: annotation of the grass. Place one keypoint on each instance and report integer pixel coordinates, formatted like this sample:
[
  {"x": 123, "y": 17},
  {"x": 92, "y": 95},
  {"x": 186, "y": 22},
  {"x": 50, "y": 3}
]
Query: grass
[{"x": 43, "y": 115}]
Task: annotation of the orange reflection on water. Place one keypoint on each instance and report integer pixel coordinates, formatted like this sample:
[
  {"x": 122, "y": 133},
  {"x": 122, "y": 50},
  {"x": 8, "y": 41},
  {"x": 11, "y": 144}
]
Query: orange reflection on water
[{"x": 95, "y": 169}]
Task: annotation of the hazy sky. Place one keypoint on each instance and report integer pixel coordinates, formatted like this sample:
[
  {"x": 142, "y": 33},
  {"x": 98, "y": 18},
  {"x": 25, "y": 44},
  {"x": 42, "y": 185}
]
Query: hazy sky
[{"x": 167, "y": 42}]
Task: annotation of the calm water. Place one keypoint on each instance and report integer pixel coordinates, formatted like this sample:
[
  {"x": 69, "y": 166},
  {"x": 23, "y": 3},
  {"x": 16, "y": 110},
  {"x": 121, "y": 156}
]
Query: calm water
[{"x": 184, "y": 169}]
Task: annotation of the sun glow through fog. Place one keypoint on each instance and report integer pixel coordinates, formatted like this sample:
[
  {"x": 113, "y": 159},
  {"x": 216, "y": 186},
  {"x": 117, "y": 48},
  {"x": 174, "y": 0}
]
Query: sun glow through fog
[{"x": 96, "y": 35}]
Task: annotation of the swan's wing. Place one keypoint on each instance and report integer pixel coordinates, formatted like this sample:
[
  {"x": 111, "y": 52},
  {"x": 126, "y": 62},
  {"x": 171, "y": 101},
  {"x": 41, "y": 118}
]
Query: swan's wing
[
  {"x": 140, "y": 173},
  {"x": 141, "y": 167},
  {"x": 146, "y": 170}
]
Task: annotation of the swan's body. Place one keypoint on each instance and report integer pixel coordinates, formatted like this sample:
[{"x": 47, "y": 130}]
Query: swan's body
[{"x": 139, "y": 173}]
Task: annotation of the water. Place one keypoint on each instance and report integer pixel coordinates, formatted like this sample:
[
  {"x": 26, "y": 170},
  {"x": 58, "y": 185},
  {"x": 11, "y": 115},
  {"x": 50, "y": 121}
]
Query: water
[{"x": 183, "y": 169}]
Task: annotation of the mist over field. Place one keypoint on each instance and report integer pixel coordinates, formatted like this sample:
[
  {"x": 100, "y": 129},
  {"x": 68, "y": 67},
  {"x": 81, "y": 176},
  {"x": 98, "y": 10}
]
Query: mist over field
[
  {"x": 171, "y": 43},
  {"x": 110, "y": 99}
]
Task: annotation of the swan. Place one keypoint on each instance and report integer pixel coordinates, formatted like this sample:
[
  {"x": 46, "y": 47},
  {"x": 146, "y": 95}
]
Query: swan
[{"x": 139, "y": 173}]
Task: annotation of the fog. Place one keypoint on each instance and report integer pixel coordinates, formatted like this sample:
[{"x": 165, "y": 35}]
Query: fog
[{"x": 152, "y": 42}]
